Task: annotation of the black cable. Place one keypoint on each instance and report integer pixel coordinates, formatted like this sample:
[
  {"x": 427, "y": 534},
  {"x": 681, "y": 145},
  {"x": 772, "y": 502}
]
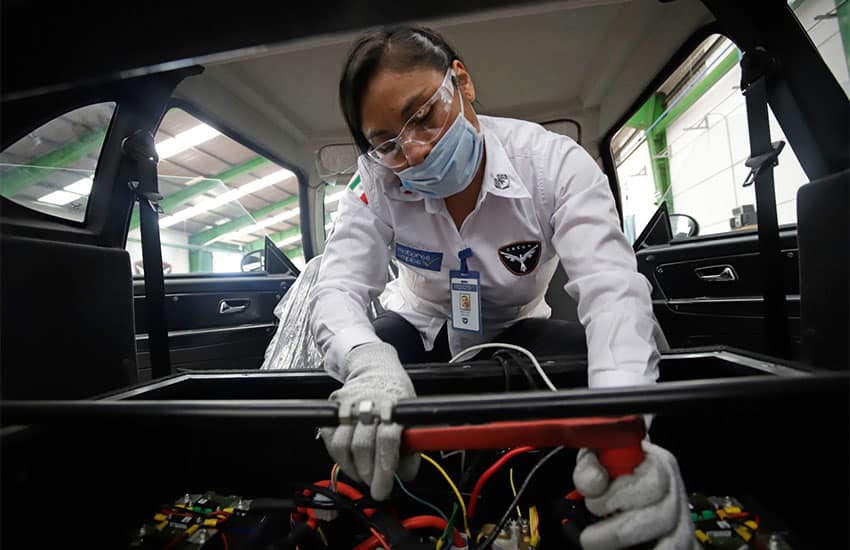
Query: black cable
[
  {"x": 499, "y": 526},
  {"x": 343, "y": 503},
  {"x": 524, "y": 369},
  {"x": 263, "y": 505},
  {"x": 504, "y": 362},
  {"x": 527, "y": 369}
]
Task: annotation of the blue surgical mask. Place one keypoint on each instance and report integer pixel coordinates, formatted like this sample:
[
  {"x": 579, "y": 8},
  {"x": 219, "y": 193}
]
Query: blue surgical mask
[{"x": 452, "y": 163}]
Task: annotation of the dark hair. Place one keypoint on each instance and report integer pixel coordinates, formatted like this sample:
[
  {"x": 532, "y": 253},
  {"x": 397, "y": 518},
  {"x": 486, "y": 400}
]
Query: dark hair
[{"x": 401, "y": 48}]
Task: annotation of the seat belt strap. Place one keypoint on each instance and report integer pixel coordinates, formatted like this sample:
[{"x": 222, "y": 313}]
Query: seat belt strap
[
  {"x": 140, "y": 148},
  {"x": 756, "y": 68}
]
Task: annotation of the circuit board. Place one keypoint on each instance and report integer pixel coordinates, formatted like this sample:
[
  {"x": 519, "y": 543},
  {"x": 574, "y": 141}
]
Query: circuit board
[
  {"x": 724, "y": 523},
  {"x": 207, "y": 521},
  {"x": 320, "y": 516}
]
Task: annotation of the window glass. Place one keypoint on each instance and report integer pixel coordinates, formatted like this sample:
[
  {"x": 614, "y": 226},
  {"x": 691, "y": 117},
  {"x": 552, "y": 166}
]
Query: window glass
[
  {"x": 564, "y": 126},
  {"x": 827, "y": 23},
  {"x": 50, "y": 169},
  {"x": 220, "y": 201},
  {"x": 336, "y": 165},
  {"x": 687, "y": 146}
]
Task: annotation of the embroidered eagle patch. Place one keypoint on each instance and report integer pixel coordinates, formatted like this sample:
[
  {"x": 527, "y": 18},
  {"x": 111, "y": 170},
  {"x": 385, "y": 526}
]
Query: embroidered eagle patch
[{"x": 520, "y": 258}]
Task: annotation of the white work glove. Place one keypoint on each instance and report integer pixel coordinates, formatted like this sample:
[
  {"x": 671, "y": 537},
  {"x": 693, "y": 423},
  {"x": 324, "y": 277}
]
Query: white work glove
[
  {"x": 650, "y": 504},
  {"x": 369, "y": 453}
]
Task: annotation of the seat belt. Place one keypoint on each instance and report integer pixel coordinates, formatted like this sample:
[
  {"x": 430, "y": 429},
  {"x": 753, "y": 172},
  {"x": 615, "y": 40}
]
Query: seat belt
[
  {"x": 756, "y": 68},
  {"x": 141, "y": 149}
]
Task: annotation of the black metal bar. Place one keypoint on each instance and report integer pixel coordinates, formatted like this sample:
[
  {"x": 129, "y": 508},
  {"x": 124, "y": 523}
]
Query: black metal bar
[
  {"x": 59, "y": 413},
  {"x": 669, "y": 397}
]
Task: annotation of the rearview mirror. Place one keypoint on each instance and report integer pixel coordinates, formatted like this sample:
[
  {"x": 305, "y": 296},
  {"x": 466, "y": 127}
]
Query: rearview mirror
[
  {"x": 253, "y": 261},
  {"x": 684, "y": 226}
]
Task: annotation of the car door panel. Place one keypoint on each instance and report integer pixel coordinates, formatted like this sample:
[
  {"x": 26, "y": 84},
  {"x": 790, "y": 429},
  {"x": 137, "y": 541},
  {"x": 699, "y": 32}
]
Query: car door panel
[
  {"x": 698, "y": 277},
  {"x": 695, "y": 311},
  {"x": 214, "y": 322},
  {"x": 239, "y": 347}
]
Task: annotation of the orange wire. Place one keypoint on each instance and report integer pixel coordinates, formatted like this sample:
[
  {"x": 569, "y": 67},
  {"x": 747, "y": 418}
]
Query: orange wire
[
  {"x": 333, "y": 476},
  {"x": 380, "y": 538}
]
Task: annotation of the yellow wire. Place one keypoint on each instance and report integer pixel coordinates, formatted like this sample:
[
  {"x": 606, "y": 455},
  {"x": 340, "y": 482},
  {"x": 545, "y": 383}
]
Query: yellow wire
[
  {"x": 322, "y": 535},
  {"x": 534, "y": 524},
  {"x": 454, "y": 488},
  {"x": 513, "y": 488}
]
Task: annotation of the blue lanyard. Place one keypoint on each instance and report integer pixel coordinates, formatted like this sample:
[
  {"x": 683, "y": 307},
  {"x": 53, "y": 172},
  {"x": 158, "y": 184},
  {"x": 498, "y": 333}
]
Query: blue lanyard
[{"x": 462, "y": 256}]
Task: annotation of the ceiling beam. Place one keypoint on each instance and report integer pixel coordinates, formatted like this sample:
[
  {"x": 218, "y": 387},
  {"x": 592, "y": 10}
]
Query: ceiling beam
[
  {"x": 275, "y": 237},
  {"x": 182, "y": 196},
  {"x": 675, "y": 110},
  {"x": 251, "y": 218},
  {"x": 220, "y": 247}
]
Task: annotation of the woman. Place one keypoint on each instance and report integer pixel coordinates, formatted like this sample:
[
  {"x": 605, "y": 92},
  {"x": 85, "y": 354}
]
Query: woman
[{"x": 478, "y": 211}]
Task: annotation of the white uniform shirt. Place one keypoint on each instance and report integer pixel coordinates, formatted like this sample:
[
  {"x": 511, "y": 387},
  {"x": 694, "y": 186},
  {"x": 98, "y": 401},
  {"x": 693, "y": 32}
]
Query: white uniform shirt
[{"x": 543, "y": 199}]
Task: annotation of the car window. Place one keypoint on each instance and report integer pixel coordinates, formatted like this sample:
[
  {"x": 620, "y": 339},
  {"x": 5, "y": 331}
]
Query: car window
[
  {"x": 51, "y": 168},
  {"x": 827, "y": 22},
  {"x": 336, "y": 165},
  {"x": 564, "y": 126},
  {"x": 220, "y": 200},
  {"x": 687, "y": 146}
]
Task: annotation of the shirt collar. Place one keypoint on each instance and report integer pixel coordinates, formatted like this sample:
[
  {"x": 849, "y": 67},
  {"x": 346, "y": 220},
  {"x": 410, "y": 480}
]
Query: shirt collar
[{"x": 500, "y": 176}]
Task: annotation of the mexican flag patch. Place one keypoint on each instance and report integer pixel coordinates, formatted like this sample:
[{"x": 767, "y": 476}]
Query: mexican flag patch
[{"x": 354, "y": 185}]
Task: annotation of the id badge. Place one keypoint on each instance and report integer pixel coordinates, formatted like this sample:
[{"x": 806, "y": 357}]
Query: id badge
[{"x": 466, "y": 304}]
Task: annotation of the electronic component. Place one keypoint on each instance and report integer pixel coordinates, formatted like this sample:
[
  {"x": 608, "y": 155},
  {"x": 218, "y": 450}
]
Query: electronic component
[
  {"x": 723, "y": 522},
  {"x": 207, "y": 521},
  {"x": 338, "y": 513}
]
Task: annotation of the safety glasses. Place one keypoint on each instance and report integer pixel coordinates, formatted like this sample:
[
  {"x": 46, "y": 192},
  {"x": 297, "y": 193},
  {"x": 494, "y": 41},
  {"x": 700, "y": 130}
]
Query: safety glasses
[{"x": 422, "y": 128}]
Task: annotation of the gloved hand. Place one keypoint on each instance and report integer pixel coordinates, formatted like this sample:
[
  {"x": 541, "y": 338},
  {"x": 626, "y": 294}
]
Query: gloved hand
[
  {"x": 649, "y": 504},
  {"x": 369, "y": 453}
]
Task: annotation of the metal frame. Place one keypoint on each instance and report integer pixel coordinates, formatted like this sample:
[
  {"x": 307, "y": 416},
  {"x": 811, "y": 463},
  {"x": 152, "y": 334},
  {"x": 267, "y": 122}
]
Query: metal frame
[
  {"x": 689, "y": 397},
  {"x": 778, "y": 384}
]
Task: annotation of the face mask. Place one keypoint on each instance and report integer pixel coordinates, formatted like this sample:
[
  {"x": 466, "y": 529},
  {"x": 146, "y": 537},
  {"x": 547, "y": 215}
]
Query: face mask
[{"x": 451, "y": 164}]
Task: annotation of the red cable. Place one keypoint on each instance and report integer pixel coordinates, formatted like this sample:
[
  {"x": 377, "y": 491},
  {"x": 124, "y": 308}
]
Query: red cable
[
  {"x": 343, "y": 489},
  {"x": 412, "y": 523},
  {"x": 379, "y": 539},
  {"x": 432, "y": 522},
  {"x": 473, "y": 498},
  {"x": 224, "y": 541}
]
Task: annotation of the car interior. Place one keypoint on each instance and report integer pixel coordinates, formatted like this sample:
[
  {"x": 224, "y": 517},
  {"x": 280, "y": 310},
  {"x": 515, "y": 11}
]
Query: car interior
[{"x": 125, "y": 385}]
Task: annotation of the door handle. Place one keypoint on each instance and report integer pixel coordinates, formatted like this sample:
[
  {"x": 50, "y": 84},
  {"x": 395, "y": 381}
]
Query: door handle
[
  {"x": 717, "y": 274},
  {"x": 229, "y": 307}
]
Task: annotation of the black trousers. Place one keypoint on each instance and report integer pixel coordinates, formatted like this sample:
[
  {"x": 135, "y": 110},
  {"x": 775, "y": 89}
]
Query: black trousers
[{"x": 539, "y": 336}]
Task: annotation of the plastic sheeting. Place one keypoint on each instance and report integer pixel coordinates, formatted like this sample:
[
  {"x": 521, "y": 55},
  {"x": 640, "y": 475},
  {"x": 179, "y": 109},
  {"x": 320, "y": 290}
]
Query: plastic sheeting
[{"x": 293, "y": 345}]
